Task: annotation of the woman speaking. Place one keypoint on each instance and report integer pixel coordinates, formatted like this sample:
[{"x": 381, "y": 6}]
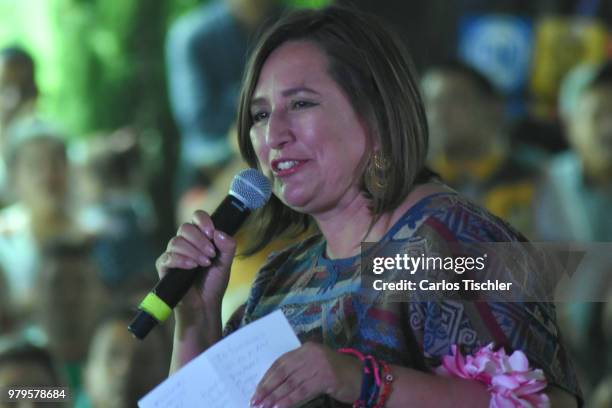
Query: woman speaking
[{"x": 330, "y": 112}]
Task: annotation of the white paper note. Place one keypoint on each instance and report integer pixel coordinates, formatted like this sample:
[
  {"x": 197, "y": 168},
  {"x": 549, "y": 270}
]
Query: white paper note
[{"x": 225, "y": 375}]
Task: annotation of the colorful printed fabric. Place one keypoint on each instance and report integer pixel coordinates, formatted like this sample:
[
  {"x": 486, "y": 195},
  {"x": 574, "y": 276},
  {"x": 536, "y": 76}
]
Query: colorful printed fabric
[{"x": 325, "y": 303}]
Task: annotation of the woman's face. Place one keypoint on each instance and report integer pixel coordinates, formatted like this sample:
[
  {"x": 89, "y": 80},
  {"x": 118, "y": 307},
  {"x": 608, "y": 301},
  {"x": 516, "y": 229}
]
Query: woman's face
[{"x": 307, "y": 137}]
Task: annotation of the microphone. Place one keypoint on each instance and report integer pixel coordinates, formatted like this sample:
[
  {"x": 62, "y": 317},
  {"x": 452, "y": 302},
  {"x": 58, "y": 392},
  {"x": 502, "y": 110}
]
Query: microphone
[{"x": 249, "y": 191}]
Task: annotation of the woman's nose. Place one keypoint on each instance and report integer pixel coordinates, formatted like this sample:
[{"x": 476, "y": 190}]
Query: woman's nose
[{"x": 279, "y": 131}]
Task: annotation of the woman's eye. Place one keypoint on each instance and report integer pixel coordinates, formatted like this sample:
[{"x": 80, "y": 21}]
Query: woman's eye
[
  {"x": 302, "y": 104},
  {"x": 259, "y": 116}
]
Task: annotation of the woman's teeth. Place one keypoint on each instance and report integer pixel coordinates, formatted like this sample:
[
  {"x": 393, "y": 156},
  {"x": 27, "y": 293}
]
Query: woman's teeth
[{"x": 287, "y": 164}]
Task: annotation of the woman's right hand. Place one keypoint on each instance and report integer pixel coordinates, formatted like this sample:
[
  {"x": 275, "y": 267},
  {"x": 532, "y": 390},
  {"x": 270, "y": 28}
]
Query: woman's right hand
[{"x": 199, "y": 244}]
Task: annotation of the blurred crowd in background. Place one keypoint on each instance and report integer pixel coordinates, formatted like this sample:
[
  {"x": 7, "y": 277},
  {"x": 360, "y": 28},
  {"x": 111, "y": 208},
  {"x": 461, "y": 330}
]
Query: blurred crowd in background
[{"x": 100, "y": 163}]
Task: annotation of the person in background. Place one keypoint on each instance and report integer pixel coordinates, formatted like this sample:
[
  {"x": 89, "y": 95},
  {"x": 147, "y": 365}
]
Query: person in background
[
  {"x": 7, "y": 318},
  {"x": 18, "y": 96},
  {"x": 37, "y": 170},
  {"x": 18, "y": 89},
  {"x": 120, "y": 370},
  {"x": 70, "y": 297},
  {"x": 116, "y": 211},
  {"x": 573, "y": 204},
  {"x": 24, "y": 364},
  {"x": 577, "y": 188},
  {"x": 331, "y": 112},
  {"x": 470, "y": 148},
  {"x": 206, "y": 52}
]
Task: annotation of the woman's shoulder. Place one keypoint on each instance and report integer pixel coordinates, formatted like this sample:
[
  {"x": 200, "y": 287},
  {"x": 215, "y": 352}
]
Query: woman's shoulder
[{"x": 452, "y": 217}]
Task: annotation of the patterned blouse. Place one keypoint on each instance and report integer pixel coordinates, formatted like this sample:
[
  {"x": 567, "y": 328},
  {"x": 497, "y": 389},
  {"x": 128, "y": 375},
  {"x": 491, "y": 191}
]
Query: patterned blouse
[{"x": 324, "y": 301}]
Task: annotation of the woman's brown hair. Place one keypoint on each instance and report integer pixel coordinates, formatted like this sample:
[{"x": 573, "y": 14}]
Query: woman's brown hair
[{"x": 375, "y": 72}]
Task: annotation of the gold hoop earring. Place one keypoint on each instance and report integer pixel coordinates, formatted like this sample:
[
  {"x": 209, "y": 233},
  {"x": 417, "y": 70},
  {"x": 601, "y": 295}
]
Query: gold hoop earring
[{"x": 376, "y": 174}]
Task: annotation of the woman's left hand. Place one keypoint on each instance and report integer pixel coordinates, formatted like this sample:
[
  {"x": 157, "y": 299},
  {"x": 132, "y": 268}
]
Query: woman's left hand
[{"x": 307, "y": 372}]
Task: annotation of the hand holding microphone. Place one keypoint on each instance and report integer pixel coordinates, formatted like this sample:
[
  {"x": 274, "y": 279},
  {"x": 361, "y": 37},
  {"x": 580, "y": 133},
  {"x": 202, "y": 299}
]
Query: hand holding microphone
[
  {"x": 200, "y": 245},
  {"x": 201, "y": 253}
]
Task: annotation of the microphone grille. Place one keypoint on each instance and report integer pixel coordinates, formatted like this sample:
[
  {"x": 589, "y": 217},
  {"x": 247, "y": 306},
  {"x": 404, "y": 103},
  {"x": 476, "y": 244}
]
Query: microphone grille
[{"x": 252, "y": 188}]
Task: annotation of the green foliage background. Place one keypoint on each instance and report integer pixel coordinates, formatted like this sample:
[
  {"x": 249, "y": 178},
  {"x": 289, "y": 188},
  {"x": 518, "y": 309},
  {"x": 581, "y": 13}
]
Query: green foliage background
[{"x": 100, "y": 62}]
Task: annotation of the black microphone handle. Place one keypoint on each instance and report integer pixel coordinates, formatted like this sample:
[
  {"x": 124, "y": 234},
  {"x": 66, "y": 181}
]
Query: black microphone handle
[{"x": 228, "y": 217}]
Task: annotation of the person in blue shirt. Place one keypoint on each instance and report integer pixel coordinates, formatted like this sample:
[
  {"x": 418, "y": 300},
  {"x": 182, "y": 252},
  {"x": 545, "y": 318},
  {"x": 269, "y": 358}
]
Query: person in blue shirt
[{"x": 206, "y": 52}]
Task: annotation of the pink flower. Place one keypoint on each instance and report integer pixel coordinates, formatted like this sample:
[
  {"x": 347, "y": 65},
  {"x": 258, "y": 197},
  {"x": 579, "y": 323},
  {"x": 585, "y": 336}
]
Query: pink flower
[{"x": 509, "y": 379}]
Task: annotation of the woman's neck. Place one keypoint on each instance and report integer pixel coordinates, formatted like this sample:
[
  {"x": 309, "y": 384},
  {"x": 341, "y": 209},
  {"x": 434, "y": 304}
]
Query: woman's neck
[{"x": 346, "y": 226}]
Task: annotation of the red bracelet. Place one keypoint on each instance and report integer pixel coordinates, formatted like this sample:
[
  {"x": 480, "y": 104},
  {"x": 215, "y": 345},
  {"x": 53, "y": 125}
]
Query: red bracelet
[
  {"x": 377, "y": 378},
  {"x": 353, "y": 352},
  {"x": 362, "y": 358},
  {"x": 387, "y": 378},
  {"x": 364, "y": 400}
]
